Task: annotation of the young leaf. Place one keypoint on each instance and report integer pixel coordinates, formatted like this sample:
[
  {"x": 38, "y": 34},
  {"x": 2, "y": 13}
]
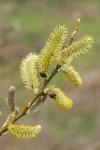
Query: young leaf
[{"x": 37, "y": 104}]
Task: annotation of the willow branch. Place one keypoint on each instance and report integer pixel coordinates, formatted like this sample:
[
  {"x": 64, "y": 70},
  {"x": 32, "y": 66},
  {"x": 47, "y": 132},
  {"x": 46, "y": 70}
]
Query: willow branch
[
  {"x": 40, "y": 92},
  {"x": 24, "y": 110}
]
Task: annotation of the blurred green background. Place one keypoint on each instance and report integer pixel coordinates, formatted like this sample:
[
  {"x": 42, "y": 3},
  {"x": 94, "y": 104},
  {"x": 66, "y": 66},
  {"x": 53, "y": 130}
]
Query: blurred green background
[{"x": 25, "y": 26}]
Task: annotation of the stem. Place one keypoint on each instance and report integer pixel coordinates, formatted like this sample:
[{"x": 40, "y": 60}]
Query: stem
[
  {"x": 24, "y": 110},
  {"x": 52, "y": 75},
  {"x": 73, "y": 35}
]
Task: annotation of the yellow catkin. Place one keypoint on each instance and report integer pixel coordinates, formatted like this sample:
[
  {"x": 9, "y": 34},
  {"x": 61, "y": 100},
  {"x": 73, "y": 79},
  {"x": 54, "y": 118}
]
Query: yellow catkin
[
  {"x": 71, "y": 74},
  {"x": 75, "y": 49},
  {"x": 52, "y": 49},
  {"x": 28, "y": 72},
  {"x": 60, "y": 99},
  {"x": 21, "y": 131}
]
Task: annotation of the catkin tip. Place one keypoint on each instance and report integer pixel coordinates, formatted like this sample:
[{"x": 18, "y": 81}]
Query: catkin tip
[{"x": 12, "y": 88}]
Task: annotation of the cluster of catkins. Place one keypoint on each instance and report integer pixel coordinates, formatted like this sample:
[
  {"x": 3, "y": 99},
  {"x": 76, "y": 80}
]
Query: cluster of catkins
[{"x": 33, "y": 64}]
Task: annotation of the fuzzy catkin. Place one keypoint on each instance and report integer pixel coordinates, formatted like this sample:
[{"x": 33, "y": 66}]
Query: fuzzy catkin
[
  {"x": 21, "y": 131},
  {"x": 60, "y": 99},
  {"x": 28, "y": 72},
  {"x": 52, "y": 49},
  {"x": 75, "y": 49},
  {"x": 71, "y": 74}
]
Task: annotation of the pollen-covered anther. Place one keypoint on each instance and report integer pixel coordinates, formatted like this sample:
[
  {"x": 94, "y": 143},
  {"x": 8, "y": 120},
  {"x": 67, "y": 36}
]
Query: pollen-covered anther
[
  {"x": 60, "y": 99},
  {"x": 89, "y": 38},
  {"x": 71, "y": 74},
  {"x": 29, "y": 72},
  {"x": 21, "y": 131}
]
